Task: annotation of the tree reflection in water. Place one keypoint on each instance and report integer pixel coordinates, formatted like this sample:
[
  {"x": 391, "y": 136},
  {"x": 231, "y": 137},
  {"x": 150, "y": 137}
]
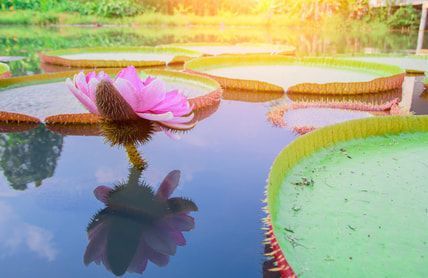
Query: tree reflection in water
[
  {"x": 138, "y": 224},
  {"x": 29, "y": 156}
]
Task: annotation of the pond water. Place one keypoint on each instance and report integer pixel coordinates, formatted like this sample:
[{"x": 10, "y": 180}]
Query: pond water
[
  {"x": 319, "y": 117},
  {"x": 47, "y": 180}
]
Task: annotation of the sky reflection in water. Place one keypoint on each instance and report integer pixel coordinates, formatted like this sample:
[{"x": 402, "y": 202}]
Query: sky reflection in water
[{"x": 224, "y": 163}]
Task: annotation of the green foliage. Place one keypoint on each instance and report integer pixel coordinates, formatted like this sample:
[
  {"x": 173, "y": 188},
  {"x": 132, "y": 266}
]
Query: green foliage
[
  {"x": 404, "y": 17},
  {"x": 35, "y": 5},
  {"x": 208, "y": 12},
  {"x": 105, "y": 8}
]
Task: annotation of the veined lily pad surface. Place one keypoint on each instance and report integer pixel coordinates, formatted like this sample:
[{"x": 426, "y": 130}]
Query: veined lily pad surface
[
  {"x": 310, "y": 75},
  {"x": 350, "y": 199},
  {"x": 244, "y": 48},
  {"x": 46, "y": 95},
  {"x": 117, "y": 56}
]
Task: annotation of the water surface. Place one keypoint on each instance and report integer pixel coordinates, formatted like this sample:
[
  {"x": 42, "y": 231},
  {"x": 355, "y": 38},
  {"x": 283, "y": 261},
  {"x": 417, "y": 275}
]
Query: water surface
[{"x": 44, "y": 229}]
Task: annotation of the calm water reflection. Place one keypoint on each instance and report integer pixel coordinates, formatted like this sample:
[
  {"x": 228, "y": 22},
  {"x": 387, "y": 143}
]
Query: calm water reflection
[
  {"x": 138, "y": 225},
  {"x": 224, "y": 163}
]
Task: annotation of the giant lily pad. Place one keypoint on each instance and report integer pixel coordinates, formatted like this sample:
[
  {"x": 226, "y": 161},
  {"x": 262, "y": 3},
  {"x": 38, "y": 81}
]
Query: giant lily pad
[
  {"x": 242, "y": 48},
  {"x": 115, "y": 57},
  {"x": 298, "y": 75},
  {"x": 46, "y": 95},
  {"x": 411, "y": 63},
  {"x": 4, "y": 71},
  {"x": 350, "y": 200}
]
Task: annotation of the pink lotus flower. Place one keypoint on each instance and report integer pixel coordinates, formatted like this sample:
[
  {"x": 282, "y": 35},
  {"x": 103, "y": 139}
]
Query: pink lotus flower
[{"x": 148, "y": 98}]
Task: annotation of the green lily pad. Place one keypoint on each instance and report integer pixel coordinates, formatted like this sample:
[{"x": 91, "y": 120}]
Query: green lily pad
[
  {"x": 298, "y": 75},
  {"x": 360, "y": 189},
  {"x": 116, "y": 57}
]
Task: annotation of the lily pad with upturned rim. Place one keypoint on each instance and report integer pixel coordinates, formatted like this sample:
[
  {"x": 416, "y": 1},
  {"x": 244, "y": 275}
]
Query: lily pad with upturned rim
[
  {"x": 350, "y": 199},
  {"x": 116, "y": 57},
  {"x": 311, "y": 75},
  {"x": 410, "y": 63}
]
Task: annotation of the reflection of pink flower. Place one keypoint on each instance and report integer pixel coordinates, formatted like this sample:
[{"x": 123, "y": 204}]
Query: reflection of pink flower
[
  {"x": 151, "y": 227},
  {"x": 148, "y": 98}
]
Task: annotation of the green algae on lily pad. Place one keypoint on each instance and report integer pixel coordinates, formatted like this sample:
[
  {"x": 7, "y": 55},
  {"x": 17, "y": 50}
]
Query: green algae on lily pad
[
  {"x": 351, "y": 199},
  {"x": 4, "y": 71},
  {"x": 44, "y": 95},
  {"x": 309, "y": 75},
  {"x": 116, "y": 57},
  {"x": 214, "y": 49}
]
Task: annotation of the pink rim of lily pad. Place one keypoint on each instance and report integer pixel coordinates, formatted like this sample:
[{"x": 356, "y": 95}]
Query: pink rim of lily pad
[{"x": 276, "y": 115}]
